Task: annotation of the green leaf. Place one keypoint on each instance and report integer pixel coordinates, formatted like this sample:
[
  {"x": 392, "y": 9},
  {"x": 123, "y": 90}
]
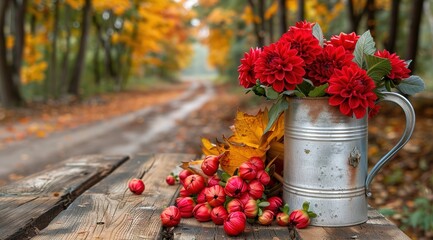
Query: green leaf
[
  {"x": 288, "y": 92},
  {"x": 318, "y": 33},
  {"x": 312, "y": 214},
  {"x": 260, "y": 213},
  {"x": 377, "y": 67},
  {"x": 364, "y": 45},
  {"x": 386, "y": 211},
  {"x": 275, "y": 112},
  {"x": 306, "y": 206},
  {"x": 304, "y": 88},
  {"x": 263, "y": 204},
  {"x": 225, "y": 176},
  {"x": 318, "y": 91},
  {"x": 271, "y": 93},
  {"x": 411, "y": 85}
]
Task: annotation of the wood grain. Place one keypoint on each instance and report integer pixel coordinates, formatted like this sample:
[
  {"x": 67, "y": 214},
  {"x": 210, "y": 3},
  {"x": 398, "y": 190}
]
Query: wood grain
[
  {"x": 110, "y": 211},
  {"x": 28, "y": 205}
]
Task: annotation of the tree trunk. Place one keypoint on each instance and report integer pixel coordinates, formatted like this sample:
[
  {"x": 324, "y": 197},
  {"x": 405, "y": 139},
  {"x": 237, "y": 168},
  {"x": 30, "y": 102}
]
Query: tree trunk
[
  {"x": 301, "y": 10},
  {"x": 262, "y": 31},
  {"x": 414, "y": 31},
  {"x": 52, "y": 77},
  {"x": 371, "y": 19},
  {"x": 283, "y": 16},
  {"x": 9, "y": 91},
  {"x": 271, "y": 29},
  {"x": 74, "y": 84},
  {"x": 393, "y": 25},
  {"x": 354, "y": 17},
  {"x": 65, "y": 59},
  {"x": 106, "y": 45},
  {"x": 258, "y": 27}
]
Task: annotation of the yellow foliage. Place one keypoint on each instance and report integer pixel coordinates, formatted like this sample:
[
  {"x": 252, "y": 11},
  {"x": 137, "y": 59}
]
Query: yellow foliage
[
  {"x": 271, "y": 11},
  {"x": 322, "y": 14},
  {"x": 10, "y": 40},
  {"x": 75, "y": 4},
  {"x": 219, "y": 47},
  {"x": 248, "y": 140},
  {"x": 207, "y": 3},
  {"x": 221, "y": 16},
  {"x": 34, "y": 72},
  {"x": 118, "y": 7},
  {"x": 248, "y": 16}
]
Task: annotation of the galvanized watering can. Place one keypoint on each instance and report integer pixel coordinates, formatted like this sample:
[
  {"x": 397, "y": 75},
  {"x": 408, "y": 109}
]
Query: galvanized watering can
[{"x": 325, "y": 159}]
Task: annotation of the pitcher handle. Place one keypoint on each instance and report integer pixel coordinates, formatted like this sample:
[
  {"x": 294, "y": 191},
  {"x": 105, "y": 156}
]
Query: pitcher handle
[{"x": 410, "y": 125}]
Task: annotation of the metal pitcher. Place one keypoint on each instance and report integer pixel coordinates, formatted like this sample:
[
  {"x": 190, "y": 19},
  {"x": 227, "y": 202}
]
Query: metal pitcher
[{"x": 325, "y": 159}]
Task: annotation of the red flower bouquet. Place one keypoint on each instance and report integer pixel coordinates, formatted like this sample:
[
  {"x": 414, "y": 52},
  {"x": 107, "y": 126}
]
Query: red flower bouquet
[{"x": 347, "y": 68}]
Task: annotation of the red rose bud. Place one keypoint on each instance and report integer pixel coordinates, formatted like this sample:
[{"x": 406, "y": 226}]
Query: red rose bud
[
  {"x": 235, "y": 187},
  {"x": 247, "y": 171},
  {"x": 282, "y": 219},
  {"x": 215, "y": 195},
  {"x": 299, "y": 219},
  {"x": 170, "y": 180},
  {"x": 245, "y": 197},
  {"x": 136, "y": 186},
  {"x": 194, "y": 183},
  {"x": 263, "y": 177},
  {"x": 202, "y": 212},
  {"x": 183, "y": 174},
  {"x": 235, "y": 223},
  {"x": 210, "y": 164},
  {"x": 251, "y": 209},
  {"x": 218, "y": 215},
  {"x": 256, "y": 189},
  {"x": 235, "y": 205},
  {"x": 201, "y": 197},
  {"x": 214, "y": 180},
  {"x": 183, "y": 192},
  {"x": 170, "y": 217},
  {"x": 185, "y": 205},
  {"x": 274, "y": 204},
  {"x": 266, "y": 218},
  {"x": 257, "y": 162}
]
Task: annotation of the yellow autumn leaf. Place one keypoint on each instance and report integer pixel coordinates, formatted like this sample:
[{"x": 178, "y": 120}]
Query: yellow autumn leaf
[
  {"x": 209, "y": 148},
  {"x": 238, "y": 154},
  {"x": 271, "y": 11}
]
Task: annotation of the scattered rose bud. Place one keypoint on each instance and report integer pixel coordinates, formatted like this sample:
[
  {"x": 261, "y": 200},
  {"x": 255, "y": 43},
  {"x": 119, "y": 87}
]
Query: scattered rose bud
[
  {"x": 258, "y": 163},
  {"x": 283, "y": 216},
  {"x": 235, "y": 205},
  {"x": 251, "y": 209},
  {"x": 201, "y": 197},
  {"x": 282, "y": 219},
  {"x": 235, "y": 187},
  {"x": 218, "y": 215},
  {"x": 202, "y": 212},
  {"x": 215, "y": 195},
  {"x": 185, "y": 205},
  {"x": 247, "y": 171},
  {"x": 301, "y": 218},
  {"x": 235, "y": 223},
  {"x": 256, "y": 189},
  {"x": 274, "y": 204},
  {"x": 194, "y": 183},
  {"x": 183, "y": 192},
  {"x": 136, "y": 186},
  {"x": 183, "y": 174},
  {"x": 170, "y": 217},
  {"x": 170, "y": 180},
  {"x": 214, "y": 180},
  {"x": 210, "y": 164},
  {"x": 245, "y": 197},
  {"x": 263, "y": 177},
  {"x": 266, "y": 218}
]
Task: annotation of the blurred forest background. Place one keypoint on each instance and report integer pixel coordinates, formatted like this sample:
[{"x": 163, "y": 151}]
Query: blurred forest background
[{"x": 64, "y": 51}]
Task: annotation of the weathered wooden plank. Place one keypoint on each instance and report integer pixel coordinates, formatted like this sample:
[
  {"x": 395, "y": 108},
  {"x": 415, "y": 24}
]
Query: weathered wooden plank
[
  {"x": 377, "y": 227},
  {"x": 31, "y": 203},
  {"x": 110, "y": 211}
]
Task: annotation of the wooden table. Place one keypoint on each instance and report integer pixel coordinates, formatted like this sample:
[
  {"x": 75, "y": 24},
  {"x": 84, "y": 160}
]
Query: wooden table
[{"x": 87, "y": 198}]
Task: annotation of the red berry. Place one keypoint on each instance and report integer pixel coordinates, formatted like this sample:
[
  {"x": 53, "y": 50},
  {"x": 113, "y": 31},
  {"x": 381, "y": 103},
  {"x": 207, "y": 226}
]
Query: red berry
[
  {"x": 136, "y": 186},
  {"x": 170, "y": 217}
]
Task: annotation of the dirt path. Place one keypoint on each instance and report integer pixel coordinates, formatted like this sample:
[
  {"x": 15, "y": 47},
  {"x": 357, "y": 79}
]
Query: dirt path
[{"x": 126, "y": 134}]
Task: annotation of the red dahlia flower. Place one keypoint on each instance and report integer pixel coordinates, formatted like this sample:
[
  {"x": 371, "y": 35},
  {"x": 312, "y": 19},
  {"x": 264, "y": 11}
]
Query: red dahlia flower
[
  {"x": 399, "y": 68},
  {"x": 247, "y": 77},
  {"x": 352, "y": 90},
  {"x": 304, "y": 24},
  {"x": 331, "y": 59},
  {"x": 280, "y": 66},
  {"x": 304, "y": 42},
  {"x": 348, "y": 41}
]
